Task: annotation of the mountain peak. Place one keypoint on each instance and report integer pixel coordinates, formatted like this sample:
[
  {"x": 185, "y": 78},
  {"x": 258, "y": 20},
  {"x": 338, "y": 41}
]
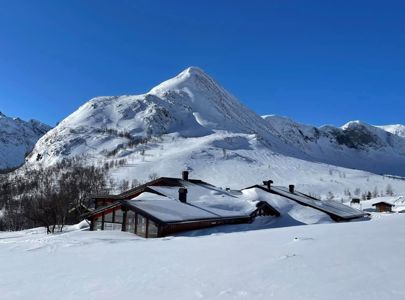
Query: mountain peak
[
  {"x": 211, "y": 105},
  {"x": 355, "y": 124},
  {"x": 188, "y": 78},
  {"x": 193, "y": 71},
  {"x": 397, "y": 129}
]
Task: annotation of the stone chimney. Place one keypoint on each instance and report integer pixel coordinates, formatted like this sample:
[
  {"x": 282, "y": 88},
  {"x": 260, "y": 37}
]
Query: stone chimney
[
  {"x": 291, "y": 188},
  {"x": 268, "y": 184},
  {"x": 184, "y": 175},
  {"x": 183, "y": 195}
]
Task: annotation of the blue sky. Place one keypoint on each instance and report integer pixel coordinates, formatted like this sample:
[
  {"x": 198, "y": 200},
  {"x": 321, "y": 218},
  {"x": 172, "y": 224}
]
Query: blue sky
[{"x": 319, "y": 62}]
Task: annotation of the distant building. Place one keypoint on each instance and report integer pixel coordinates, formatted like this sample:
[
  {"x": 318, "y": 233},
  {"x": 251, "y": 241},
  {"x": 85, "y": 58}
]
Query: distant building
[{"x": 383, "y": 206}]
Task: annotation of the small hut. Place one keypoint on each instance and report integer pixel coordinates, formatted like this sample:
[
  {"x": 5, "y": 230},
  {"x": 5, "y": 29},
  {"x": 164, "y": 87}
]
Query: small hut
[{"x": 383, "y": 206}]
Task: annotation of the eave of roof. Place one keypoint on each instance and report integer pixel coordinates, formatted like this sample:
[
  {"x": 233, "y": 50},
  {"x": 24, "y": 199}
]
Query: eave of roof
[{"x": 101, "y": 209}]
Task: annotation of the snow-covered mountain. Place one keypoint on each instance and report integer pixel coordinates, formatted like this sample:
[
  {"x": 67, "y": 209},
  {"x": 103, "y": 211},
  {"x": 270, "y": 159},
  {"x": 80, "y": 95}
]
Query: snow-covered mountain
[
  {"x": 354, "y": 145},
  {"x": 189, "y": 105},
  {"x": 396, "y": 129},
  {"x": 17, "y": 138},
  {"x": 191, "y": 122}
]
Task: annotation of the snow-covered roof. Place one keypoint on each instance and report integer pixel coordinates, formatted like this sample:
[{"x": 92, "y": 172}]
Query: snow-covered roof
[
  {"x": 211, "y": 198},
  {"x": 383, "y": 202},
  {"x": 170, "y": 210},
  {"x": 329, "y": 206},
  {"x": 291, "y": 212},
  {"x": 204, "y": 201}
]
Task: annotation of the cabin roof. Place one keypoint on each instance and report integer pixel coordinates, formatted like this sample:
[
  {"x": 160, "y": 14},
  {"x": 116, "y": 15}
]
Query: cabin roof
[
  {"x": 161, "y": 181},
  {"x": 171, "y": 211},
  {"x": 383, "y": 202},
  {"x": 204, "y": 201},
  {"x": 215, "y": 200},
  {"x": 330, "y": 207}
]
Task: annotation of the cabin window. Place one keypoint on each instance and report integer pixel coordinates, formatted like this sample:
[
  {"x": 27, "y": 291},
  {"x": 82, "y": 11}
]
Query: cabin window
[
  {"x": 141, "y": 225},
  {"x": 152, "y": 229},
  {"x": 108, "y": 226},
  {"x": 118, "y": 215},
  {"x": 116, "y": 226},
  {"x": 108, "y": 217},
  {"x": 98, "y": 224},
  {"x": 112, "y": 220},
  {"x": 130, "y": 224}
]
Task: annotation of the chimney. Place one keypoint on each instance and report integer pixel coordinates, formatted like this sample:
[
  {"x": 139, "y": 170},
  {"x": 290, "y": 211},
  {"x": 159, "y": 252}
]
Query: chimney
[
  {"x": 291, "y": 188},
  {"x": 268, "y": 184},
  {"x": 183, "y": 195},
  {"x": 184, "y": 175}
]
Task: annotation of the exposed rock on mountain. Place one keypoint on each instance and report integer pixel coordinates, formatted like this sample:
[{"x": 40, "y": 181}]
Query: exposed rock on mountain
[{"x": 17, "y": 138}]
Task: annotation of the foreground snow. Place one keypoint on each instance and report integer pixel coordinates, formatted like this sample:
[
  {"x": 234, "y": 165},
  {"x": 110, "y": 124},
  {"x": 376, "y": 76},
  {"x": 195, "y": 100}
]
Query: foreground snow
[{"x": 359, "y": 260}]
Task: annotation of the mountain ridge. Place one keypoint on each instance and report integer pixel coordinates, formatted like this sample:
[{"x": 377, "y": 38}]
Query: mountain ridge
[
  {"x": 17, "y": 139},
  {"x": 356, "y": 144},
  {"x": 194, "y": 105}
]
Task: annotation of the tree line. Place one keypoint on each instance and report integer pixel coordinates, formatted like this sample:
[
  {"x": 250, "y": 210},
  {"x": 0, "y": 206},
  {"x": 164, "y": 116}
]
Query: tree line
[
  {"x": 54, "y": 196},
  {"x": 49, "y": 196}
]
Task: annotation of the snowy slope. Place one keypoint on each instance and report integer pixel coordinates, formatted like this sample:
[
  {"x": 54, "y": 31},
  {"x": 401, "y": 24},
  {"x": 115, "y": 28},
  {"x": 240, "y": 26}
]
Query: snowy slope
[
  {"x": 190, "y": 104},
  {"x": 354, "y": 145},
  {"x": 396, "y": 129},
  {"x": 246, "y": 162},
  {"x": 191, "y": 122},
  {"x": 17, "y": 138},
  {"x": 359, "y": 260}
]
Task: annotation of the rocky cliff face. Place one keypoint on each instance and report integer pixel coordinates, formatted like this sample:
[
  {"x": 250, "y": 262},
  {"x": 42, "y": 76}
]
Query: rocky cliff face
[
  {"x": 17, "y": 138},
  {"x": 354, "y": 145}
]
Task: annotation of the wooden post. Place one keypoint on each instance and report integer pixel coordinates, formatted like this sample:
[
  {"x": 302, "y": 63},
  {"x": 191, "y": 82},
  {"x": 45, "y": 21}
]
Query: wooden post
[
  {"x": 92, "y": 224},
  {"x": 124, "y": 220},
  {"x": 136, "y": 223}
]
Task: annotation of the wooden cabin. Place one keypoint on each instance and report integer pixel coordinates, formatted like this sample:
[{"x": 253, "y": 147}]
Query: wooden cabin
[
  {"x": 169, "y": 205},
  {"x": 383, "y": 206}
]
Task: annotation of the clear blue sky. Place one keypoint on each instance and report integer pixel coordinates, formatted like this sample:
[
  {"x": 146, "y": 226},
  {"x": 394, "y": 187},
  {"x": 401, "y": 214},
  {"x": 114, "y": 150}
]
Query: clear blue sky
[{"x": 315, "y": 61}]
